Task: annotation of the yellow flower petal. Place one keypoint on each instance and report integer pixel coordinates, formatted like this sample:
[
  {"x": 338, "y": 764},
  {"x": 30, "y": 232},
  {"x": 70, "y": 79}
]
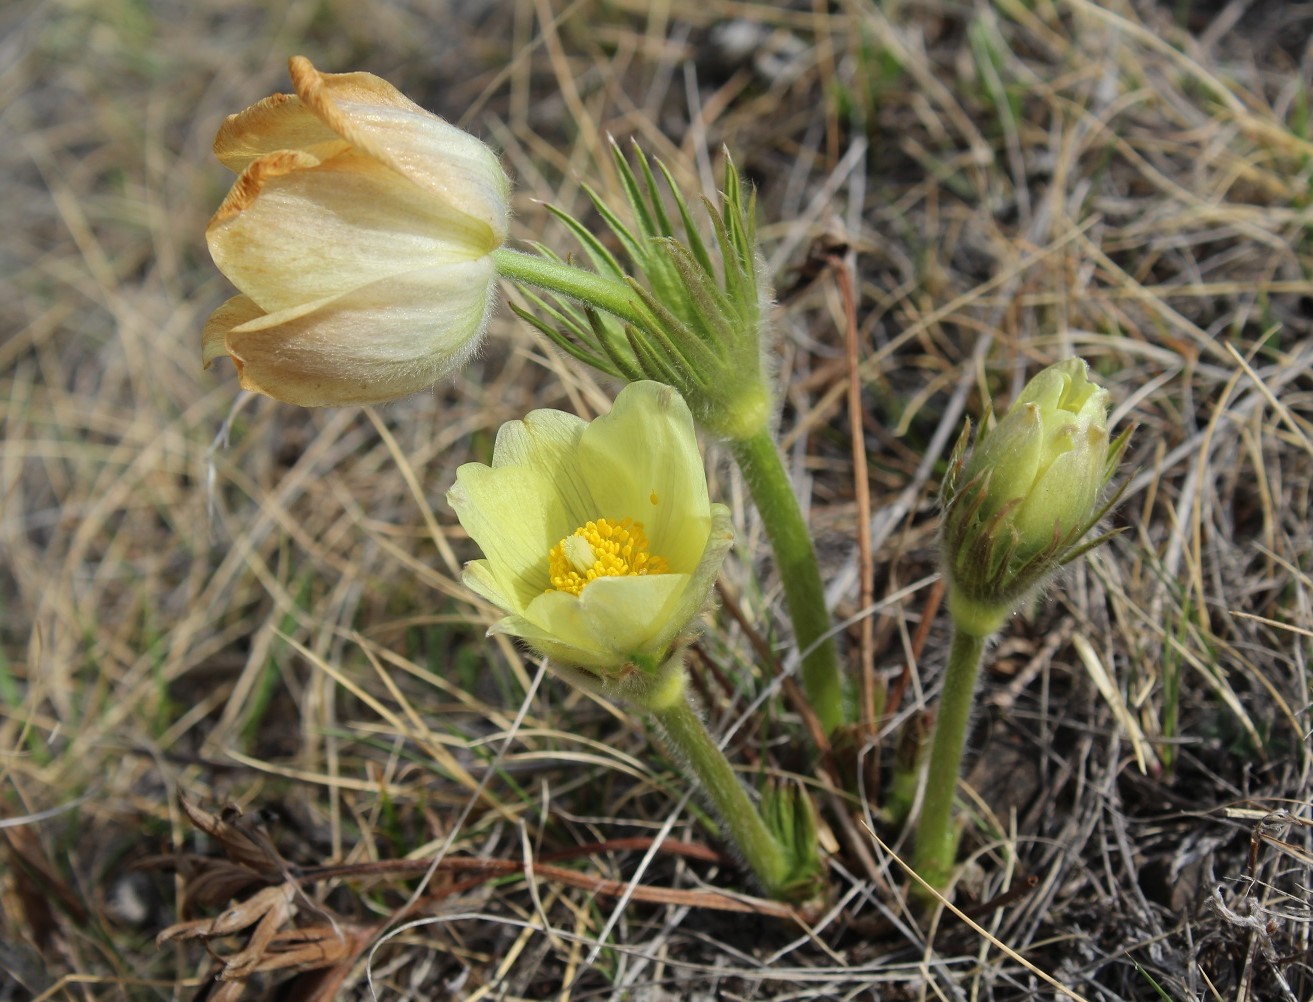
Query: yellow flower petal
[
  {"x": 555, "y": 624},
  {"x": 575, "y": 652},
  {"x": 548, "y": 441},
  {"x": 478, "y": 577},
  {"x": 641, "y": 461},
  {"x": 633, "y": 615},
  {"x": 515, "y": 516}
]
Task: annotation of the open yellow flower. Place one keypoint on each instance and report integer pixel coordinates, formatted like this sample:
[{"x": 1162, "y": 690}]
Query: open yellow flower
[
  {"x": 358, "y": 232},
  {"x": 599, "y": 538}
]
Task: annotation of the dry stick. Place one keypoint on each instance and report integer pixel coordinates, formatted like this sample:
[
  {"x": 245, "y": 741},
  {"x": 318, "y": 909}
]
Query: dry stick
[
  {"x": 489, "y": 868},
  {"x": 641, "y": 843},
  {"x": 797, "y": 699},
  {"x": 841, "y": 268},
  {"x": 931, "y": 609}
]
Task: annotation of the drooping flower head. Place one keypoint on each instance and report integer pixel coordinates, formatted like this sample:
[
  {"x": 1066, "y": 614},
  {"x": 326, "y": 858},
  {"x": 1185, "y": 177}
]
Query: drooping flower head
[
  {"x": 1018, "y": 507},
  {"x": 358, "y": 233},
  {"x": 600, "y": 541}
]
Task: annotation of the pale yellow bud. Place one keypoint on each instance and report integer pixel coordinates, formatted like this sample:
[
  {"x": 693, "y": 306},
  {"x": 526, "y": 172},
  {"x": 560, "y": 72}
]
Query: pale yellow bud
[{"x": 1045, "y": 459}]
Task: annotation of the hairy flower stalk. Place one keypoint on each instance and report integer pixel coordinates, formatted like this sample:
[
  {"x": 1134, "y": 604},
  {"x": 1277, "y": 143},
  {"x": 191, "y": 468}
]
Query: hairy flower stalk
[
  {"x": 601, "y": 546},
  {"x": 359, "y": 233},
  {"x": 690, "y": 313},
  {"x": 1015, "y": 512}
]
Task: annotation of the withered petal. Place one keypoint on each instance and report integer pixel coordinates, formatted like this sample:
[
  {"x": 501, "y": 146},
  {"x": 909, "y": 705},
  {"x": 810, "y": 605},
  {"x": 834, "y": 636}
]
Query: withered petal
[
  {"x": 246, "y": 189},
  {"x": 279, "y": 122},
  {"x": 234, "y": 313},
  {"x": 446, "y": 161}
]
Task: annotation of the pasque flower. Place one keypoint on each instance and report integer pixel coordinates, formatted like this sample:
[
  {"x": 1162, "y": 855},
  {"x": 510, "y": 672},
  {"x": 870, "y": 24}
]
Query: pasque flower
[
  {"x": 658, "y": 300},
  {"x": 599, "y": 539},
  {"x": 601, "y": 545},
  {"x": 1015, "y": 511},
  {"x": 359, "y": 233},
  {"x": 1017, "y": 508}
]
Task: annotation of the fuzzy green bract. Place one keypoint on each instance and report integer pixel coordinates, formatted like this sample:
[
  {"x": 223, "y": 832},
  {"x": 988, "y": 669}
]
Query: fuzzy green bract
[{"x": 696, "y": 311}]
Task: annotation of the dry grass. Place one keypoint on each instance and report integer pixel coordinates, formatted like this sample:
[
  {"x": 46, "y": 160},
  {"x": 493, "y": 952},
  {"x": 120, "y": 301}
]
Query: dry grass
[{"x": 260, "y": 605}]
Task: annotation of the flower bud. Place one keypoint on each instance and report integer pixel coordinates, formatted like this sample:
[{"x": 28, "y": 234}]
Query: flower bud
[
  {"x": 599, "y": 540},
  {"x": 790, "y": 816},
  {"x": 1017, "y": 508},
  {"x": 358, "y": 233}
]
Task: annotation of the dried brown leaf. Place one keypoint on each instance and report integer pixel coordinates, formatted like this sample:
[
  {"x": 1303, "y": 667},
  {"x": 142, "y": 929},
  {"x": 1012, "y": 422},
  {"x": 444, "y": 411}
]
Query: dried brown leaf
[
  {"x": 270, "y": 907},
  {"x": 313, "y": 947},
  {"x": 240, "y": 838}
]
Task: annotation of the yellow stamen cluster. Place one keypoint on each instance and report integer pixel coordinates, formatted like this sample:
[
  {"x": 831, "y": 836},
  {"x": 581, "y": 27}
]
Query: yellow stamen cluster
[{"x": 601, "y": 549}]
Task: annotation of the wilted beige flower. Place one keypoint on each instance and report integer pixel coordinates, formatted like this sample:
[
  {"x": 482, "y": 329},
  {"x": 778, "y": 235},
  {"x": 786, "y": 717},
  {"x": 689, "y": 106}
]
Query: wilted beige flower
[{"x": 358, "y": 232}]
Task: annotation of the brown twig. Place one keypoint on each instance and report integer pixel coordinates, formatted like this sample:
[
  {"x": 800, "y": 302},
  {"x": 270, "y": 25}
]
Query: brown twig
[
  {"x": 489, "y": 868},
  {"x": 792, "y": 691},
  {"x": 895, "y": 697},
  {"x": 841, "y": 265}
]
